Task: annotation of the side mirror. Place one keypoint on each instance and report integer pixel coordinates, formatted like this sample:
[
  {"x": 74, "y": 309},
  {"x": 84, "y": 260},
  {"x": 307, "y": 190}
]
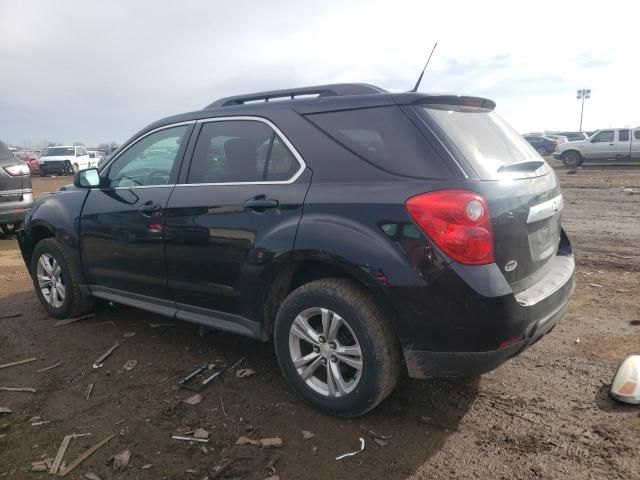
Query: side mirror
[{"x": 88, "y": 178}]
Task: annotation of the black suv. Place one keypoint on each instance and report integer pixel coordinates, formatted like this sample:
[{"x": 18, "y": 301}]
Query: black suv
[{"x": 364, "y": 232}]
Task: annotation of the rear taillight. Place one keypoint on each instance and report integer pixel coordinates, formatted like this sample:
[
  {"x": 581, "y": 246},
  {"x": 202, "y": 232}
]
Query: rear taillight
[
  {"x": 458, "y": 222},
  {"x": 17, "y": 170}
]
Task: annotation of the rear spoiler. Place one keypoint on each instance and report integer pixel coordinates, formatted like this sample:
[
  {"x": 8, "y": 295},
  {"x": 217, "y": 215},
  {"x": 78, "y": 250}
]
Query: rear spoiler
[{"x": 462, "y": 100}]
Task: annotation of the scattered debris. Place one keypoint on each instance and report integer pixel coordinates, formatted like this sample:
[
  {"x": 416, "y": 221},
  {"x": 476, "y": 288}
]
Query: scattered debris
[
  {"x": 37, "y": 424},
  {"x": 69, "y": 321},
  {"x": 222, "y": 405},
  {"x": 41, "y": 465},
  {"x": 247, "y": 441},
  {"x": 121, "y": 460},
  {"x": 18, "y": 389},
  {"x": 108, "y": 322},
  {"x": 176, "y": 411},
  {"x": 621, "y": 290},
  {"x": 46, "y": 369},
  {"x": 380, "y": 442},
  {"x": 147, "y": 466},
  {"x": 578, "y": 340},
  {"x": 84, "y": 456},
  {"x": 15, "y": 315},
  {"x": 571, "y": 172},
  {"x": 306, "y": 435},
  {"x": 130, "y": 365},
  {"x": 55, "y": 466},
  {"x": 275, "y": 442},
  {"x": 194, "y": 399},
  {"x": 245, "y": 372},
  {"x": 5, "y": 410},
  {"x": 273, "y": 477},
  {"x": 635, "y": 323},
  {"x": 91, "y": 476},
  {"x": 211, "y": 366},
  {"x": 595, "y": 285},
  {"x": 201, "y": 433},
  {"x": 190, "y": 439},
  {"x": 185, "y": 382},
  {"x": 89, "y": 390},
  {"x": 628, "y": 191},
  {"x": 350, "y": 454},
  {"x": 104, "y": 356},
  {"x": 379, "y": 436},
  {"x": 120, "y": 421},
  {"x": 429, "y": 421},
  {"x": 158, "y": 325},
  {"x": 19, "y": 362},
  {"x": 129, "y": 334}
]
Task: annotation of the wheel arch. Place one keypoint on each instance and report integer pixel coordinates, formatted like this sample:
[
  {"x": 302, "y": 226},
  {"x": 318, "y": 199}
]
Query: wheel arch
[{"x": 308, "y": 269}]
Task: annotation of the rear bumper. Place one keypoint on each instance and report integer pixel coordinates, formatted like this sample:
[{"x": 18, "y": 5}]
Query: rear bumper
[
  {"x": 15, "y": 212},
  {"x": 426, "y": 364},
  {"x": 469, "y": 321},
  {"x": 55, "y": 166}
]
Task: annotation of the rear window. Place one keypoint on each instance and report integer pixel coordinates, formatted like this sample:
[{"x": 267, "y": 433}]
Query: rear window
[
  {"x": 484, "y": 139},
  {"x": 385, "y": 138}
]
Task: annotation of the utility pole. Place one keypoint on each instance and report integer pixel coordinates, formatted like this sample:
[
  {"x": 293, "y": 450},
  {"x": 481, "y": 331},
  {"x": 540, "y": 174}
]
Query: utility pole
[{"x": 582, "y": 95}]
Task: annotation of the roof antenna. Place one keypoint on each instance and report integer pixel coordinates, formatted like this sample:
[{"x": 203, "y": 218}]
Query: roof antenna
[{"x": 415, "y": 89}]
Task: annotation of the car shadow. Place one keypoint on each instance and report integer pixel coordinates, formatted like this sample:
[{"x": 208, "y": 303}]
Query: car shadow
[
  {"x": 608, "y": 404},
  {"x": 403, "y": 435}
]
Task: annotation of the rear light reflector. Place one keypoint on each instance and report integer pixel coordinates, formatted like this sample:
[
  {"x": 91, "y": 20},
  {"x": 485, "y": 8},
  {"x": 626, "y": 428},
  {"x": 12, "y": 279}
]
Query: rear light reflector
[
  {"x": 458, "y": 222},
  {"x": 511, "y": 341}
]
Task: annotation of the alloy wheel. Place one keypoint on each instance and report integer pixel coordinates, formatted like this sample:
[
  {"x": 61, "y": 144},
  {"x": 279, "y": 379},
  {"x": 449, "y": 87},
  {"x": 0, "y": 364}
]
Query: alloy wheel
[
  {"x": 50, "y": 280},
  {"x": 325, "y": 352}
]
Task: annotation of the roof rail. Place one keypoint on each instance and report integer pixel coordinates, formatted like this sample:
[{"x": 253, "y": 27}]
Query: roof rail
[{"x": 334, "y": 90}]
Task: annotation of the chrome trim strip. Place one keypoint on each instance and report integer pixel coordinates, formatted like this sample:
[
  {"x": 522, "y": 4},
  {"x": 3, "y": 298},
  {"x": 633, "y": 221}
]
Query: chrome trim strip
[
  {"x": 553, "y": 281},
  {"x": 546, "y": 209},
  {"x": 278, "y": 132}
]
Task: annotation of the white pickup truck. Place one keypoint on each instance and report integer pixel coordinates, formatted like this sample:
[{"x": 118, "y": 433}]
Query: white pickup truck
[{"x": 606, "y": 144}]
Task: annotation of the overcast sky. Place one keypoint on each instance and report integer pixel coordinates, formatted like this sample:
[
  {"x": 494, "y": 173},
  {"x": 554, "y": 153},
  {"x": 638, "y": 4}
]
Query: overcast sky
[{"x": 95, "y": 71}]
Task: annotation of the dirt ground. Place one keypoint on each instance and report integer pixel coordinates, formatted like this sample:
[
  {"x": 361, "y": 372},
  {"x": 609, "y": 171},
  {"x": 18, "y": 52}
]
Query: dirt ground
[{"x": 545, "y": 414}]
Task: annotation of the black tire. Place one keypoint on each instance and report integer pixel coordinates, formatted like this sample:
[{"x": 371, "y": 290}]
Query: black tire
[
  {"x": 572, "y": 159},
  {"x": 381, "y": 356},
  {"x": 76, "y": 302}
]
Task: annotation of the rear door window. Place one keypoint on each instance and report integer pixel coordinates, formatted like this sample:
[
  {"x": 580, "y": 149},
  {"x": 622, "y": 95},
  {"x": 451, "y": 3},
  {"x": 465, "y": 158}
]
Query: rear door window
[
  {"x": 241, "y": 151},
  {"x": 385, "y": 138},
  {"x": 623, "y": 135}
]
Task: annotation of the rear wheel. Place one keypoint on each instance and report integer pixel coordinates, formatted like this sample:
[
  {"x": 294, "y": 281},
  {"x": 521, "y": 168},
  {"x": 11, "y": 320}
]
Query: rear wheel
[
  {"x": 336, "y": 348},
  {"x": 56, "y": 278},
  {"x": 76, "y": 167},
  {"x": 572, "y": 159}
]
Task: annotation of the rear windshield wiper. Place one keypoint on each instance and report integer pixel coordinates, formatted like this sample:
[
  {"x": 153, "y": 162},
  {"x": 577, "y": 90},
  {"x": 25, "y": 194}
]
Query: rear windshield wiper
[{"x": 526, "y": 166}]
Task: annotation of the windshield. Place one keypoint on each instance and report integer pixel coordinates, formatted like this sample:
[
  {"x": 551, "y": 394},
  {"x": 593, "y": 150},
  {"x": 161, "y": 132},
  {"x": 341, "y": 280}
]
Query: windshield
[
  {"x": 60, "y": 151},
  {"x": 485, "y": 140}
]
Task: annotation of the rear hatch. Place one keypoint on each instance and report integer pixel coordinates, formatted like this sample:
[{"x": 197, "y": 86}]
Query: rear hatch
[{"x": 521, "y": 189}]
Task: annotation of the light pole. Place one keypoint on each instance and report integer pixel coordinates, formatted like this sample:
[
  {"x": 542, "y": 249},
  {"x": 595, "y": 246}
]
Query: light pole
[{"x": 582, "y": 95}]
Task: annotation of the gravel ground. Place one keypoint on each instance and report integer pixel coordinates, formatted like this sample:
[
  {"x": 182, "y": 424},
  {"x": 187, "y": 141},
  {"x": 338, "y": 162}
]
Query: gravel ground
[{"x": 544, "y": 414}]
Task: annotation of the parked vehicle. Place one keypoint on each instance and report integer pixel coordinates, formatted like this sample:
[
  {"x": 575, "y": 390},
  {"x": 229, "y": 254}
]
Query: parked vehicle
[
  {"x": 16, "y": 195},
  {"x": 574, "y": 136},
  {"x": 363, "y": 232},
  {"x": 607, "y": 144},
  {"x": 542, "y": 144},
  {"x": 64, "y": 160},
  {"x": 30, "y": 159},
  {"x": 95, "y": 157}
]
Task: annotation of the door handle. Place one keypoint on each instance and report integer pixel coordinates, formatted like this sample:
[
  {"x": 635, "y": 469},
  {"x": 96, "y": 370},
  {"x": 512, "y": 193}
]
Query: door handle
[
  {"x": 261, "y": 203},
  {"x": 149, "y": 208}
]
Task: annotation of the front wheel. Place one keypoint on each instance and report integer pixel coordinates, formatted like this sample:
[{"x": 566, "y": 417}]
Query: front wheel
[
  {"x": 56, "y": 278},
  {"x": 572, "y": 159},
  {"x": 336, "y": 348}
]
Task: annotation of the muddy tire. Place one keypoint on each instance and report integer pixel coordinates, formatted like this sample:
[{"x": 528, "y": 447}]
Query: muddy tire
[
  {"x": 572, "y": 159},
  {"x": 336, "y": 348},
  {"x": 56, "y": 278}
]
